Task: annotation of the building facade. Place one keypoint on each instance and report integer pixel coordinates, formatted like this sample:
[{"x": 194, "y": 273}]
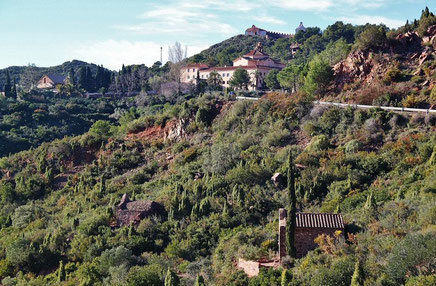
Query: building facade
[
  {"x": 50, "y": 81},
  {"x": 308, "y": 227},
  {"x": 257, "y": 64}
]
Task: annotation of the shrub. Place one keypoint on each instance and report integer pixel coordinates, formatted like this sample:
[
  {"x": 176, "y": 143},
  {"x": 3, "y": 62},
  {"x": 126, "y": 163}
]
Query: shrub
[
  {"x": 318, "y": 143},
  {"x": 352, "y": 146},
  {"x": 113, "y": 258},
  {"x": 414, "y": 255},
  {"x": 100, "y": 130},
  {"x": 144, "y": 276},
  {"x": 422, "y": 280},
  {"x": 393, "y": 75},
  {"x": 277, "y": 137}
]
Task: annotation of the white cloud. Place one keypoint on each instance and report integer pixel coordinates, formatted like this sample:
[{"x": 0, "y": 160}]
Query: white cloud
[
  {"x": 363, "y": 19},
  {"x": 303, "y": 5},
  {"x": 328, "y": 5},
  {"x": 225, "y": 5},
  {"x": 269, "y": 19},
  {"x": 182, "y": 19},
  {"x": 113, "y": 54}
]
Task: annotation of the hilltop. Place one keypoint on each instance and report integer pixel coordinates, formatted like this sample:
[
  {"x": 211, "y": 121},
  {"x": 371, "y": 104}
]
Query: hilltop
[{"x": 26, "y": 76}]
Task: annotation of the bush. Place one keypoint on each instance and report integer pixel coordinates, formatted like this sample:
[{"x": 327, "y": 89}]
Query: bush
[
  {"x": 100, "y": 130},
  {"x": 318, "y": 143},
  {"x": 144, "y": 276},
  {"x": 413, "y": 256},
  {"x": 422, "y": 280},
  {"x": 352, "y": 146}
]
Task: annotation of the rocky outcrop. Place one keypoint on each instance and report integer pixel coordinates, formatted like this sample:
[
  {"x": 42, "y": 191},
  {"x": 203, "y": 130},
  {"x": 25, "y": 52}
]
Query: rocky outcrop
[
  {"x": 365, "y": 67},
  {"x": 176, "y": 130},
  {"x": 357, "y": 66},
  {"x": 431, "y": 36}
]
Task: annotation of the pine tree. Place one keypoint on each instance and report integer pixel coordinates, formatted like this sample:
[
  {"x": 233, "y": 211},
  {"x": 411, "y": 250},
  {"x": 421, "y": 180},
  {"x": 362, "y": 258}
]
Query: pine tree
[
  {"x": 171, "y": 279},
  {"x": 61, "y": 272},
  {"x": 8, "y": 87},
  {"x": 357, "y": 279},
  {"x": 286, "y": 277},
  {"x": 199, "y": 281},
  {"x": 292, "y": 211}
]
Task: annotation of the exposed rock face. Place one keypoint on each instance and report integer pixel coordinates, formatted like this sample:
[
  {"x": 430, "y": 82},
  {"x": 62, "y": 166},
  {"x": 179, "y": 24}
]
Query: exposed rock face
[
  {"x": 431, "y": 38},
  {"x": 176, "y": 130},
  {"x": 366, "y": 66},
  {"x": 132, "y": 212},
  {"x": 357, "y": 66}
]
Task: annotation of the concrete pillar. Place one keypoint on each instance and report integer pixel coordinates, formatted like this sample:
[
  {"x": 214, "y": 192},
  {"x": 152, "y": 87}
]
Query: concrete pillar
[{"x": 282, "y": 233}]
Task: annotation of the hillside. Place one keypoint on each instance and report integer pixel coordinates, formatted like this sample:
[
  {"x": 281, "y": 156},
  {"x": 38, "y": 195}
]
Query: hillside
[
  {"x": 160, "y": 185},
  {"x": 29, "y": 75},
  {"x": 209, "y": 161},
  {"x": 225, "y": 52}
]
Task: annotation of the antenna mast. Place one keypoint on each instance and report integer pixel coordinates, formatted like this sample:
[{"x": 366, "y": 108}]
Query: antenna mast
[{"x": 161, "y": 63}]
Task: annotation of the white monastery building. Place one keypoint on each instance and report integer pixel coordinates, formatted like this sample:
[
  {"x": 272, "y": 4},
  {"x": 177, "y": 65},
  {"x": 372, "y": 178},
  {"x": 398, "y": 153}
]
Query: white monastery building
[{"x": 256, "y": 63}]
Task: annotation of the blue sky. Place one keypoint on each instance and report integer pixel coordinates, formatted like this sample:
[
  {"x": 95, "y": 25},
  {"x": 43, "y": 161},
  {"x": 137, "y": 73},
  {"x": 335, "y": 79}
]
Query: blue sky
[{"x": 113, "y": 32}]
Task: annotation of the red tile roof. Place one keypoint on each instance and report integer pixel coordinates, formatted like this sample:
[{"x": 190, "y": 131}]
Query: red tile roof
[
  {"x": 320, "y": 220},
  {"x": 249, "y": 67},
  {"x": 254, "y": 29},
  {"x": 255, "y": 52},
  {"x": 199, "y": 66}
]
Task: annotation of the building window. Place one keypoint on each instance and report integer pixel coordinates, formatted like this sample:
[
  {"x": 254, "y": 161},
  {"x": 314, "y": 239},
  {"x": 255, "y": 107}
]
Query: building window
[
  {"x": 188, "y": 77},
  {"x": 193, "y": 70},
  {"x": 228, "y": 75},
  {"x": 188, "y": 70}
]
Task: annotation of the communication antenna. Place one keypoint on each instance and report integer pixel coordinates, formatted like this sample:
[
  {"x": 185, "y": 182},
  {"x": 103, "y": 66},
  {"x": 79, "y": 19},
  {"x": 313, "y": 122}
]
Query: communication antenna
[{"x": 161, "y": 63}]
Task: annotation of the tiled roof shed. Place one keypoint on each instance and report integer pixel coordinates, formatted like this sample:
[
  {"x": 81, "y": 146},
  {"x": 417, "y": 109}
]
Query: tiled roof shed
[
  {"x": 319, "y": 220},
  {"x": 308, "y": 227},
  {"x": 132, "y": 212}
]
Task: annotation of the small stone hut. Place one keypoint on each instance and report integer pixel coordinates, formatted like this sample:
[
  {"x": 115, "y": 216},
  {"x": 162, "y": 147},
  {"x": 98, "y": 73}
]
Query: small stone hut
[
  {"x": 309, "y": 226},
  {"x": 132, "y": 212}
]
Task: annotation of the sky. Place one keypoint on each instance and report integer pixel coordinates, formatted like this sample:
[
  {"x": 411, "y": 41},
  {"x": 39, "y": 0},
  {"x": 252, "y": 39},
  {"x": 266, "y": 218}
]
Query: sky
[{"x": 116, "y": 32}]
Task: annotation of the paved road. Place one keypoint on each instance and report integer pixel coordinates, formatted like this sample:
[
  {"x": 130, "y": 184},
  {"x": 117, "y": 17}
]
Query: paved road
[{"x": 360, "y": 106}]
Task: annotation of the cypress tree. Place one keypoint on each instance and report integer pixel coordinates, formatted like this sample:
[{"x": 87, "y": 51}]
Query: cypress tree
[
  {"x": 357, "y": 279},
  {"x": 82, "y": 78},
  {"x": 8, "y": 87},
  {"x": 61, "y": 272},
  {"x": 286, "y": 277},
  {"x": 199, "y": 281},
  {"x": 72, "y": 77},
  {"x": 90, "y": 84},
  {"x": 292, "y": 210},
  {"x": 171, "y": 279},
  {"x": 14, "y": 90},
  {"x": 99, "y": 78}
]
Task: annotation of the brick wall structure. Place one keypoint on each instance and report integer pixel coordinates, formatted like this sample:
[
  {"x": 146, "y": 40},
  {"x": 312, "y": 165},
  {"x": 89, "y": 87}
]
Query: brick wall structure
[{"x": 309, "y": 226}]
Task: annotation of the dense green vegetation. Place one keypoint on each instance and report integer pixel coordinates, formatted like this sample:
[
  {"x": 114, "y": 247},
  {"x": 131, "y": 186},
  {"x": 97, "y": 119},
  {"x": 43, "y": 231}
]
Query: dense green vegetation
[
  {"x": 377, "y": 168},
  {"x": 43, "y": 118},
  {"x": 209, "y": 160},
  {"x": 27, "y": 76}
]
